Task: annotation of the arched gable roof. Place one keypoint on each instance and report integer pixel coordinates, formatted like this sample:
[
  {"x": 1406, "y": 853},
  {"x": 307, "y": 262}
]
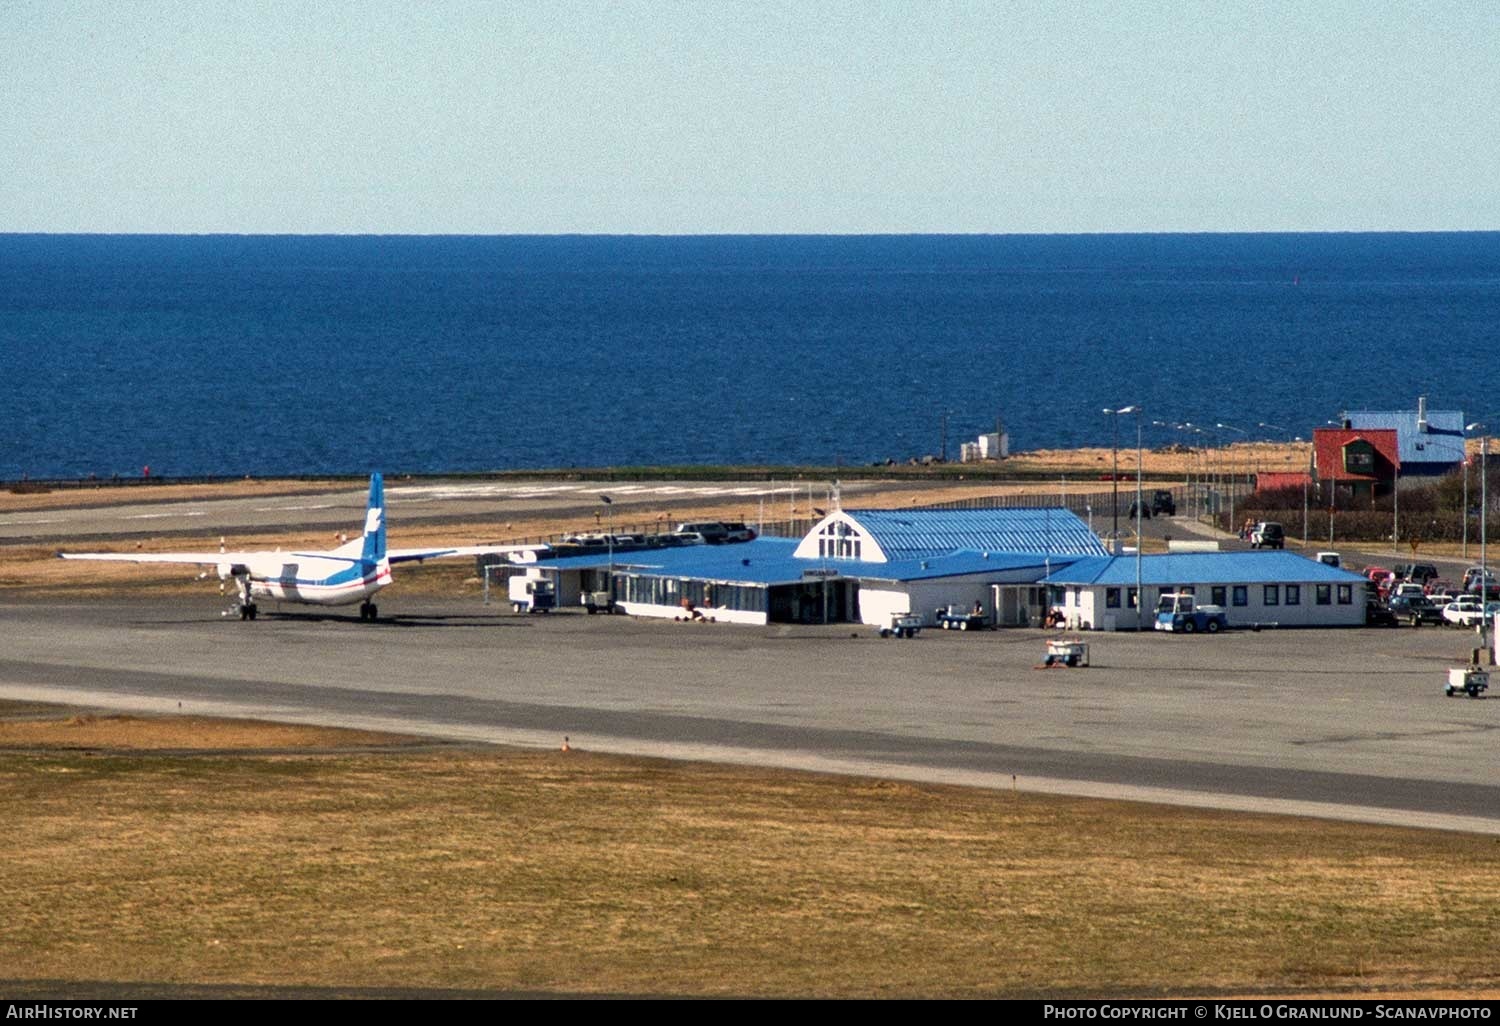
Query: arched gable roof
[{"x": 888, "y": 535}]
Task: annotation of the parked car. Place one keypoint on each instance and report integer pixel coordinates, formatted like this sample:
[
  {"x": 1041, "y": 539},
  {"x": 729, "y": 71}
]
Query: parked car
[
  {"x": 1416, "y": 610},
  {"x": 1465, "y": 611},
  {"x": 1373, "y": 573},
  {"x": 712, "y": 531},
  {"x": 1419, "y": 572},
  {"x": 738, "y": 531},
  {"x": 1408, "y": 589},
  {"x": 1382, "y": 586},
  {"x": 1377, "y": 615},
  {"x": 1437, "y": 586},
  {"x": 1267, "y": 534},
  {"x": 1471, "y": 582}
]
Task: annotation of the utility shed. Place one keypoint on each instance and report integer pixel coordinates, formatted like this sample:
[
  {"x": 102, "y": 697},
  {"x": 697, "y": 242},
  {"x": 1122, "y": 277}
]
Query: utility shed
[{"x": 1266, "y": 587}]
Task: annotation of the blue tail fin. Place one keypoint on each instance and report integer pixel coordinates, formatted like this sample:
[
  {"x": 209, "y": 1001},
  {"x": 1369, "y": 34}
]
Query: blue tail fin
[{"x": 374, "y": 550}]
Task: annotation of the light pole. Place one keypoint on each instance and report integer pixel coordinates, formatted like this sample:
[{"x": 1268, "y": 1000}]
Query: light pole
[
  {"x": 1187, "y": 469},
  {"x": 609, "y": 584},
  {"x": 1135, "y": 409},
  {"x": 1484, "y": 452},
  {"x": 1226, "y": 427},
  {"x": 1466, "y": 495},
  {"x": 1306, "y": 479},
  {"x": 1210, "y": 476},
  {"x": 1140, "y": 598},
  {"x": 1114, "y": 536}
]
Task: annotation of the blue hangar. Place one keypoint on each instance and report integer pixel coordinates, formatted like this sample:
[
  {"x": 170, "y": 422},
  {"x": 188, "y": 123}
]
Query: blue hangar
[{"x": 866, "y": 566}]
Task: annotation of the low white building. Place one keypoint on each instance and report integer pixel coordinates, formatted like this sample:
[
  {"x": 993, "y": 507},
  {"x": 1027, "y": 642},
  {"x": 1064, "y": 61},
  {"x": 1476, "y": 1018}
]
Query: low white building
[{"x": 1267, "y": 587}]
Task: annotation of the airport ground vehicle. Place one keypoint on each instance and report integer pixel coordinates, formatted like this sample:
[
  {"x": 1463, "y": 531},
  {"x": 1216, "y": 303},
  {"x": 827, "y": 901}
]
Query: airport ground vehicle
[
  {"x": 1267, "y": 534},
  {"x": 1177, "y": 612},
  {"x": 598, "y": 602},
  {"x": 952, "y": 618},
  {"x": 532, "y": 594},
  {"x": 903, "y": 625},
  {"x": 1468, "y": 680}
]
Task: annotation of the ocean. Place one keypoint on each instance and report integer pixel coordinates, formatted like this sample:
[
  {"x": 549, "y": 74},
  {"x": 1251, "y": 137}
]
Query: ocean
[{"x": 265, "y": 355}]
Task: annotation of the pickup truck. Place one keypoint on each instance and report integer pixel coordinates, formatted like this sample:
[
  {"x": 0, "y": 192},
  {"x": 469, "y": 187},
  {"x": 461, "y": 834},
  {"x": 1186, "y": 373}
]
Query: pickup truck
[{"x": 1178, "y": 613}]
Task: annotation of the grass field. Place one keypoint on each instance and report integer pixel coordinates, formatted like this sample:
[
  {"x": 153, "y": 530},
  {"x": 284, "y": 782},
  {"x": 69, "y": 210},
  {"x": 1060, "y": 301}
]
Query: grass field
[{"x": 190, "y": 851}]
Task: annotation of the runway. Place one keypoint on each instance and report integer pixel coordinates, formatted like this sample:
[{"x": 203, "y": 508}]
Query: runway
[
  {"x": 1346, "y": 724},
  {"x": 410, "y": 502}
]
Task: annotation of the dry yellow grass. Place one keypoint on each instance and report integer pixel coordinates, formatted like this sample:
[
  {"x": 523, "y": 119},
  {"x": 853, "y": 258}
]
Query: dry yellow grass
[{"x": 545, "y": 871}]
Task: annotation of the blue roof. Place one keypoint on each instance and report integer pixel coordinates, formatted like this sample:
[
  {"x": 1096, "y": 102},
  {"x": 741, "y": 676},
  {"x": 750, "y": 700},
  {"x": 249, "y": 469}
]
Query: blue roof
[
  {"x": 769, "y": 561},
  {"x": 1441, "y": 443},
  {"x": 1262, "y": 567},
  {"x": 915, "y": 534}
]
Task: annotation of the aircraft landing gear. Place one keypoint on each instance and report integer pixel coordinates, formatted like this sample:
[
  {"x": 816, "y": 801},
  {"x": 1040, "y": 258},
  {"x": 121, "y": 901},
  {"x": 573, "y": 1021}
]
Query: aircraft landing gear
[
  {"x": 247, "y": 605},
  {"x": 367, "y": 611}
]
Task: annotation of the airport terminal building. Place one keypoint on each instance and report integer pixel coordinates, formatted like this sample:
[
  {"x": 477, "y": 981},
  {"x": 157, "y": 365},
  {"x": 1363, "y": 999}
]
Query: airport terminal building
[
  {"x": 1012, "y": 565},
  {"x": 854, "y": 566}
]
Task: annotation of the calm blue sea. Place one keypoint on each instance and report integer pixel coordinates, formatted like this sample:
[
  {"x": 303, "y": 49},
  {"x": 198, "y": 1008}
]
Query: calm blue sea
[{"x": 281, "y": 354}]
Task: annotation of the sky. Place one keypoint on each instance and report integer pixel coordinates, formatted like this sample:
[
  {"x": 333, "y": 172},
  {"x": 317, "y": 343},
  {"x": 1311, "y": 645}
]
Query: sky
[{"x": 687, "y": 117}]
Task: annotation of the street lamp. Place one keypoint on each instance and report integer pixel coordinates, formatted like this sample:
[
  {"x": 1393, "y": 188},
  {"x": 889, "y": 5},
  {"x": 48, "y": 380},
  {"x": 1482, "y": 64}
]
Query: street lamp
[
  {"x": 609, "y": 505},
  {"x": 1212, "y": 462},
  {"x": 1114, "y": 536},
  {"x": 1484, "y": 452},
  {"x": 1140, "y": 598},
  {"x": 1227, "y": 427},
  {"x": 1135, "y": 409}
]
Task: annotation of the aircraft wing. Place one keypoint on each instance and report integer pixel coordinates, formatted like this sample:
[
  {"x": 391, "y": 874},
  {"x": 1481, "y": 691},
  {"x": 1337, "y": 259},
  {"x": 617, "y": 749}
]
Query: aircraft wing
[
  {"x": 196, "y": 558},
  {"x": 418, "y": 555}
]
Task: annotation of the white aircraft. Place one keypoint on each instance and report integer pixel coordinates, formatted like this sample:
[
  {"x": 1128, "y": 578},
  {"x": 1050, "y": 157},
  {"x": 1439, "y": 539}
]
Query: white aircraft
[{"x": 351, "y": 573}]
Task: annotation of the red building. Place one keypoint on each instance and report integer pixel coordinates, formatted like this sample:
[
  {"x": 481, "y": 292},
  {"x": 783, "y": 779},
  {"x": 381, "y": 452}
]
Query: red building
[{"x": 1359, "y": 465}]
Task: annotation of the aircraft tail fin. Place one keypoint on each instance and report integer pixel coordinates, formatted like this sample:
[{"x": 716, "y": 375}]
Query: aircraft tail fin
[{"x": 374, "y": 538}]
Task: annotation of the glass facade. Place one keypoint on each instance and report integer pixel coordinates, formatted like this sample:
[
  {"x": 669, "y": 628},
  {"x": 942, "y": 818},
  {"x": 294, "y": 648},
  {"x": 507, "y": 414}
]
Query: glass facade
[{"x": 671, "y": 591}]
